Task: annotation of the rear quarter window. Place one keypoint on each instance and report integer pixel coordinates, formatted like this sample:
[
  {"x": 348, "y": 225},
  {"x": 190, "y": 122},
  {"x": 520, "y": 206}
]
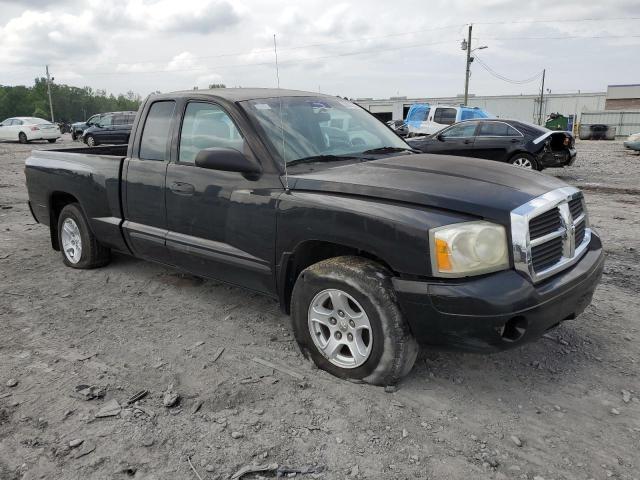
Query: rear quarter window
[
  {"x": 155, "y": 135},
  {"x": 445, "y": 116}
]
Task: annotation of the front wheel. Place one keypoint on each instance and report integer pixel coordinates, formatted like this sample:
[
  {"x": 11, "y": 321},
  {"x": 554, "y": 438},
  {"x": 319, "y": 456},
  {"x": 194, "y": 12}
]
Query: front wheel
[
  {"x": 91, "y": 142},
  {"x": 78, "y": 244},
  {"x": 346, "y": 319},
  {"x": 524, "y": 160}
]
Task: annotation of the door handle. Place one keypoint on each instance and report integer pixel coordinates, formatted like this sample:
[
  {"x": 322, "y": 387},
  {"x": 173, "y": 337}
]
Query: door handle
[
  {"x": 182, "y": 188},
  {"x": 514, "y": 140},
  {"x": 467, "y": 142}
]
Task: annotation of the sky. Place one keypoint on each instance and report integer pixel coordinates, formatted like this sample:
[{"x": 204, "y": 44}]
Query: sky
[{"x": 358, "y": 49}]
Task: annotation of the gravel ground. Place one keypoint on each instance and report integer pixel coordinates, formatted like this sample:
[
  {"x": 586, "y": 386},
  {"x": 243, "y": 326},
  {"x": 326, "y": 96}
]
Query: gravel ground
[{"x": 565, "y": 407}]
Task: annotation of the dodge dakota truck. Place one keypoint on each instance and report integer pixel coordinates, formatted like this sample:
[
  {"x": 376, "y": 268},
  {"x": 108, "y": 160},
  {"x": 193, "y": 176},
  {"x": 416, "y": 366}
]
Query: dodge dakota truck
[{"x": 371, "y": 247}]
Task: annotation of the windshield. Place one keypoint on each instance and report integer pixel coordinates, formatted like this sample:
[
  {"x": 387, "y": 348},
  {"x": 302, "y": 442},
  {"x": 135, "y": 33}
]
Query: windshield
[{"x": 319, "y": 126}]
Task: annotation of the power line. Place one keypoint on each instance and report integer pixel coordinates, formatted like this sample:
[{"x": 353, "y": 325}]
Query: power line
[
  {"x": 567, "y": 20},
  {"x": 504, "y": 78},
  {"x": 564, "y": 37}
]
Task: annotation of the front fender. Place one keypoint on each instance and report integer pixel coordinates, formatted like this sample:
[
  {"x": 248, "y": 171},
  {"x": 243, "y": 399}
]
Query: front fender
[{"x": 395, "y": 233}]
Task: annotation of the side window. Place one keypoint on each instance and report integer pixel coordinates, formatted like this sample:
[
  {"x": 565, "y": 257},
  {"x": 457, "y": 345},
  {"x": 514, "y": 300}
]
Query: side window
[
  {"x": 445, "y": 116},
  {"x": 461, "y": 130},
  {"x": 153, "y": 145},
  {"x": 497, "y": 129},
  {"x": 205, "y": 126},
  {"x": 17, "y": 122},
  {"x": 106, "y": 120},
  {"x": 129, "y": 119},
  {"x": 6, "y": 123},
  {"x": 118, "y": 120}
]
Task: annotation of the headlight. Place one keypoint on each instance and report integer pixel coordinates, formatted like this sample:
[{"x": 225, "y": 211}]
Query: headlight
[{"x": 470, "y": 248}]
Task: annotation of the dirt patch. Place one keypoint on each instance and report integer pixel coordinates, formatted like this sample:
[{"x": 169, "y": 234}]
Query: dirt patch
[{"x": 571, "y": 399}]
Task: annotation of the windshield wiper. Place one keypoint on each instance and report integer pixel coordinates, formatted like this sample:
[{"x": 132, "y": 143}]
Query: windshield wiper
[
  {"x": 391, "y": 150},
  {"x": 321, "y": 158}
]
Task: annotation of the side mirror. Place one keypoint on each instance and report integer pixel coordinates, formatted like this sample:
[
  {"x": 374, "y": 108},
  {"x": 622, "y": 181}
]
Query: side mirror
[
  {"x": 227, "y": 160},
  {"x": 440, "y": 137}
]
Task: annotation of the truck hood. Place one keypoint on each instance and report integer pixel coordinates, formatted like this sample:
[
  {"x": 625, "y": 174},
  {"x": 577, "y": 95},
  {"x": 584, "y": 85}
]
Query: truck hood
[{"x": 482, "y": 188}]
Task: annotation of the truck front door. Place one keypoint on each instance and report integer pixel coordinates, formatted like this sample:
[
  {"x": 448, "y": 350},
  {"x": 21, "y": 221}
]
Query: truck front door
[
  {"x": 220, "y": 224},
  {"x": 145, "y": 227}
]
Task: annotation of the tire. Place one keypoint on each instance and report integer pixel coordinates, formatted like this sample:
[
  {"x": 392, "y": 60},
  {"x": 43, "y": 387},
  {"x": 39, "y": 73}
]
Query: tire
[
  {"x": 74, "y": 137},
  {"x": 90, "y": 141},
  {"x": 78, "y": 246},
  {"x": 51, "y": 140},
  {"x": 22, "y": 138},
  {"x": 388, "y": 349},
  {"x": 524, "y": 160}
]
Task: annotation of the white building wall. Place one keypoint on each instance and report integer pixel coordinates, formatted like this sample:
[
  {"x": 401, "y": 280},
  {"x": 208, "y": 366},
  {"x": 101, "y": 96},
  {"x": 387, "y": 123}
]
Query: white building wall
[{"x": 517, "y": 107}]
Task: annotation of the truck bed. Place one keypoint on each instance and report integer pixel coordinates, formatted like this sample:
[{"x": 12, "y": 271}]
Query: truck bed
[
  {"x": 91, "y": 176},
  {"x": 103, "y": 150}
]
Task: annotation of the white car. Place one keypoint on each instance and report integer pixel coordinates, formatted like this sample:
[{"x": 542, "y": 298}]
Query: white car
[{"x": 25, "y": 129}]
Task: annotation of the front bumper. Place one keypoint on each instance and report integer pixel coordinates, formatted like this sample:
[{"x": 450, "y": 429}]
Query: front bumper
[{"x": 478, "y": 314}]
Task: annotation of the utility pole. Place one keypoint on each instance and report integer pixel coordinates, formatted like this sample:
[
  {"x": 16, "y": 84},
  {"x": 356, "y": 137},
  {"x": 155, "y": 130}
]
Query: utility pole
[
  {"x": 468, "y": 70},
  {"x": 49, "y": 92},
  {"x": 541, "y": 97}
]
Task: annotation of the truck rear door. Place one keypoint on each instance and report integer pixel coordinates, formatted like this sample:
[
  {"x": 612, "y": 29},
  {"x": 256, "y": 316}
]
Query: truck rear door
[{"x": 145, "y": 225}]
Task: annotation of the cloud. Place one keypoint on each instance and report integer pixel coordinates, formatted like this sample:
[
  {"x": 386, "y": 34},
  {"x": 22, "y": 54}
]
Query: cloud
[
  {"x": 355, "y": 48},
  {"x": 166, "y": 16},
  {"x": 182, "y": 61},
  {"x": 42, "y": 37}
]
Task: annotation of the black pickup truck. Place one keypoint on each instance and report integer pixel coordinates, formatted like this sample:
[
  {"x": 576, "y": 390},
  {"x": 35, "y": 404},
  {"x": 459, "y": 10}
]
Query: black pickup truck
[{"x": 371, "y": 247}]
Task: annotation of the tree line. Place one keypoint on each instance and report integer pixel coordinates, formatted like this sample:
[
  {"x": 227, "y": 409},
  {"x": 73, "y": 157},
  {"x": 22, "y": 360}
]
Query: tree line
[{"x": 70, "y": 104}]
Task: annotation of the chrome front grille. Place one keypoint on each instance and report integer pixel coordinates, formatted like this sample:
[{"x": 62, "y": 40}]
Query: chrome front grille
[
  {"x": 544, "y": 223},
  {"x": 550, "y": 233}
]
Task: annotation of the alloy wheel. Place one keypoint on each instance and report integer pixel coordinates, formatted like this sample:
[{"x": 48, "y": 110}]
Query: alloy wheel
[
  {"x": 522, "y": 162},
  {"x": 71, "y": 240},
  {"x": 340, "y": 328}
]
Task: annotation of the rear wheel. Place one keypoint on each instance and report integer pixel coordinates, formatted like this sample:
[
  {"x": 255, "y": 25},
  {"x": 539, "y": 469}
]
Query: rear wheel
[
  {"x": 73, "y": 135},
  {"x": 51, "y": 140},
  {"x": 524, "y": 160},
  {"x": 22, "y": 137},
  {"x": 78, "y": 245},
  {"x": 346, "y": 319},
  {"x": 91, "y": 142}
]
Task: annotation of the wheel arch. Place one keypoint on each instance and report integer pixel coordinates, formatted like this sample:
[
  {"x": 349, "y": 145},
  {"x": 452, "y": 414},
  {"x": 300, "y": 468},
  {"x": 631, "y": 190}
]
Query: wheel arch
[
  {"x": 310, "y": 252},
  {"x": 57, "y": 201}
]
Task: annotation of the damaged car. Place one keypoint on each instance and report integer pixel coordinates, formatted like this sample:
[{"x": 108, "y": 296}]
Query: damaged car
[{"x": 518, "y": 143}]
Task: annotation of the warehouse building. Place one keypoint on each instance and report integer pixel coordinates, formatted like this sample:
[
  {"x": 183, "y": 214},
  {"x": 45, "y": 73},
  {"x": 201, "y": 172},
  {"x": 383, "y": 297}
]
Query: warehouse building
[
  {"x": 623, "y": 97},
  {"x": 518, "y": 107}
]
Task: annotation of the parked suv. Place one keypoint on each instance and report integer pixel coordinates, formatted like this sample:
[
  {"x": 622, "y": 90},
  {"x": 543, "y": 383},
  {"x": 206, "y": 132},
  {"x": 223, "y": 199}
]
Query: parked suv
[
  {"x": 78, "y": 128},
  {"x": 113, "y": 127},
  {"x": 423, "y": 118}
]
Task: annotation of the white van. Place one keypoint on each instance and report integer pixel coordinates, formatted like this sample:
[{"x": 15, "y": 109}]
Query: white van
[{"x": 425, "y": 119}]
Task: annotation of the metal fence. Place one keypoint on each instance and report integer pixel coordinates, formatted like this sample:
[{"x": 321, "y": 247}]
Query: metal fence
[{"x": 626, "y": 122}]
